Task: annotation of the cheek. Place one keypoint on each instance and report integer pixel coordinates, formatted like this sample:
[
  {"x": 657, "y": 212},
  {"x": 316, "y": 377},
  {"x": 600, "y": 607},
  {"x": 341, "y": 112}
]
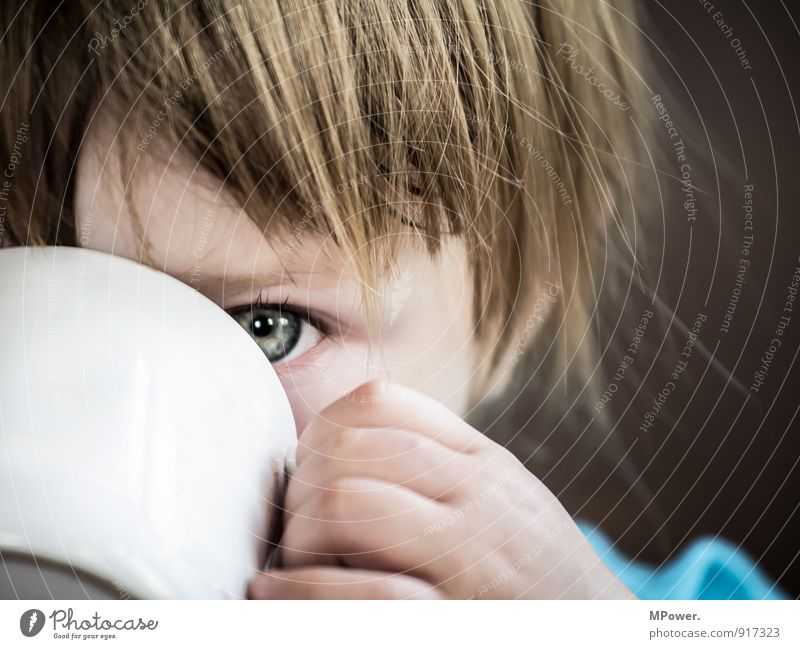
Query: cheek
[
  {"x": 431, "y": 346},
  {"x": 316, "y": 380},
  {"x": 441, "y": 369},
  {"x": 426, "y": 343},
  {"x": 438, "y": 364}
]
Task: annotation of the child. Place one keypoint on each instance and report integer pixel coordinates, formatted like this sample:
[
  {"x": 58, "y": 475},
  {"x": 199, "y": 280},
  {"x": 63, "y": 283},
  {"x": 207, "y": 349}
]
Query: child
[{"x": 391, "y": 197}]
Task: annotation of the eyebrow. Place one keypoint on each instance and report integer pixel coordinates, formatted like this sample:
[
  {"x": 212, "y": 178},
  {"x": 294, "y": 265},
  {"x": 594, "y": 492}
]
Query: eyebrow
[{"x": 216, "y": 287}]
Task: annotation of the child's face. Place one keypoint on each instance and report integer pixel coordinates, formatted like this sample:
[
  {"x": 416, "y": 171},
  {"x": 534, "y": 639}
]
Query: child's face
[{"x": 198, "y": 234}]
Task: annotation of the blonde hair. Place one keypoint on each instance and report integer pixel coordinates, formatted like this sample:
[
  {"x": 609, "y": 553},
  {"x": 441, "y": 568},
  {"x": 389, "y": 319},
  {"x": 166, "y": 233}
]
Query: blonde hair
[{"x": 362, "y": 118}]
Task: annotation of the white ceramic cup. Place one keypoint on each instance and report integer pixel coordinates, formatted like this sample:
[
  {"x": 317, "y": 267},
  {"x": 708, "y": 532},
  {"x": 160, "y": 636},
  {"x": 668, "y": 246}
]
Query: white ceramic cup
[{"x": 142, "y": 431}]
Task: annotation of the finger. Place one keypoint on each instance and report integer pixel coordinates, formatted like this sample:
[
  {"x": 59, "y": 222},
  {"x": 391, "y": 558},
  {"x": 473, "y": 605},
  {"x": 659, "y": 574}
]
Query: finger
[
  {"x": 373, "y": 525},
  {"x": 401, "y": 457},
  {"x": 324, "y": 582},
  {"x": 382, "y": 404}
]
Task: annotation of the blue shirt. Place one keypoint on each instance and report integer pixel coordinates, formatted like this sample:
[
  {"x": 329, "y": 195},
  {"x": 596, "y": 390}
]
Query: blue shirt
[{"x": 707, "y": 568}]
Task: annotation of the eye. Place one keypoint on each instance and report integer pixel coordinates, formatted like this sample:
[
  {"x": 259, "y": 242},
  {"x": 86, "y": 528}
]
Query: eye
[{"x": 281, "y": 333}]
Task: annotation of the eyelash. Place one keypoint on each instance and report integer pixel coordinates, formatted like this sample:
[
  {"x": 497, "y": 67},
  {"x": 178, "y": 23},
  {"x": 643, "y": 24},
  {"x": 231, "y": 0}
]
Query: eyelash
[{"x": 284, "y": 307}]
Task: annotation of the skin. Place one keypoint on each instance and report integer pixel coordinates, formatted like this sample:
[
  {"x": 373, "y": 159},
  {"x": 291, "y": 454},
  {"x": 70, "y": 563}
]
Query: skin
[{"x": 394, "y": 496}]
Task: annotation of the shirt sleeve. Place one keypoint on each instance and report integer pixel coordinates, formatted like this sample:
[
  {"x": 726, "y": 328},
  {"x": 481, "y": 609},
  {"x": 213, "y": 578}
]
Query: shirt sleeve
[{"x": 707, "y": 568}]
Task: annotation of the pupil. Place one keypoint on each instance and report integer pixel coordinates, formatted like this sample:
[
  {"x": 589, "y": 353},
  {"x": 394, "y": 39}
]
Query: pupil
[{"x": 263, "y": 326}]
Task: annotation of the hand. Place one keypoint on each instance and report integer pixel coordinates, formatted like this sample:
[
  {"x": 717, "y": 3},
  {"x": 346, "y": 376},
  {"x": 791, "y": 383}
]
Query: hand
[{"x": 395, "y": 496}]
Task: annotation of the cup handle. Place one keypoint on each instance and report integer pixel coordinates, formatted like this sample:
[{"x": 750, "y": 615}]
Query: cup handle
[{"x": 273, "y": 558}]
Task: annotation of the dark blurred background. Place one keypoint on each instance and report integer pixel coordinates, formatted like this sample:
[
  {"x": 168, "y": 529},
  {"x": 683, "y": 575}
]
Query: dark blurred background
[{"x": 721, "y": 458}]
